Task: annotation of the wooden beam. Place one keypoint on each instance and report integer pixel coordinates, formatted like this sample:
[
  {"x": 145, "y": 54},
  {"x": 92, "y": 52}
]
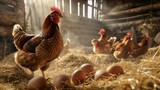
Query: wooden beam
[
  {"x": 132, "y": 18},
  {"x": 132, "y": 23},
  {"x": 133, "y": 11},
  {"x": 8, "y": 2},
  {"x": 8, "y": 18},
  {"x": 6, "y": 31},
  {"x": 92, "y": 8}
]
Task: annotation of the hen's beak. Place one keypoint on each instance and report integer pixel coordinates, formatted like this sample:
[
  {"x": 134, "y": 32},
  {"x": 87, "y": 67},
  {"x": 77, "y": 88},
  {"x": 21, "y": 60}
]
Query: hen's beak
[{"x": 60, "y": 16}]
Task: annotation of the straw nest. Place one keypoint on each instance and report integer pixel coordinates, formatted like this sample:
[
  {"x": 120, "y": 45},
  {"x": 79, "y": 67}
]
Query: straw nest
[{"x": 141, "y": 73}]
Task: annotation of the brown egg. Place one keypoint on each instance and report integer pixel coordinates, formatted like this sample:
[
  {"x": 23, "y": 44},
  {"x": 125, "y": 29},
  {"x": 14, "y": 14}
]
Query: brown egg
[
  {"x": 37, "y": 83},
  {"x": 88, "y": 68},
  {"x": 115, "y": 69},
  {"x": 62, "y": 82},
  {"x": 101, "y": 74},
  {"x": 78, "y": 77}
]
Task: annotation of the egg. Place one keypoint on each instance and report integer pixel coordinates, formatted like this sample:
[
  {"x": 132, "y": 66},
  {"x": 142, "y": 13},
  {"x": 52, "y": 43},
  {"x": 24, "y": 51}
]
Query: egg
[
  {"x": 101, "y": 74},
  {"x": 115, "y": 69},
  {"x": 88, "y": 68},
  {"x": 78, "y": 77},
  {"x": 37, "y": 83},
  {"x": 62, "y": 82}
]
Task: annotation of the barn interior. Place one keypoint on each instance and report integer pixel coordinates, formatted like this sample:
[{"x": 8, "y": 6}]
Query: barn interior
[{"x": 81, "y": 23}]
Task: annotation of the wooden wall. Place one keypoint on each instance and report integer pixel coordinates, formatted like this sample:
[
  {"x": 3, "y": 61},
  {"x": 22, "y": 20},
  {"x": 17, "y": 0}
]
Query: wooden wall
[{"x": 12, "y": 12}]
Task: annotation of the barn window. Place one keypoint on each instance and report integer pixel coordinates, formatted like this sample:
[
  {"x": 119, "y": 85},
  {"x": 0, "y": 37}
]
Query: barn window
[
  {"x": 56, "y": 3},
  {"x": 89, "y": 9},
  {"x": 89, "y": 2},
  {"x": 89, "y": 12},
  {"x": 83, "y": 10},
  {"x": 92, "y": 9},
  {"x": 78, "y": 8},
  {"x": 70, "y": 7}
]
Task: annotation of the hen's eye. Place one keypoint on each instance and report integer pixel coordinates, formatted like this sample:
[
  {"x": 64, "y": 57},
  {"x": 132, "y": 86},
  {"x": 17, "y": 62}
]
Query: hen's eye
[{"x": 54, "y": 14}]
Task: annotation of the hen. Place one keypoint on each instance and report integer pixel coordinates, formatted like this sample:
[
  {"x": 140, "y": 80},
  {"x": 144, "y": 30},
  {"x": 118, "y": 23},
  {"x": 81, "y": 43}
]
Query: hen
[
  {"x": 37, "y": 51},
  {"x": 123, "y": 48},
  {"x": 140, "y": 48},
  {"x": 100, "y": 45}
]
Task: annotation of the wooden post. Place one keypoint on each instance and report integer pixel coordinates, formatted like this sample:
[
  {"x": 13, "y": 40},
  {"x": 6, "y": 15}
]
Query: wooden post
[
  {"x": 74, "y": 7},
  {"x": 92, "y": 8},
  {"x": 133, "y": 11},
  {"x": 84, "y": 2},
  {"x": 81, "y": 7},
  {"x": 86, "y": 9},
  {"x": 20, "y": 11},
  {"x": 66, "y": 7}
]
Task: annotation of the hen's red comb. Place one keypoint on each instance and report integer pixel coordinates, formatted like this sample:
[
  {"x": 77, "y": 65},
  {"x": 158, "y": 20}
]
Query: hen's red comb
[
  {"x": 101, "y": 31},
  {"x": 129, "y": 33},
  {"x": 55, "y": 9}
]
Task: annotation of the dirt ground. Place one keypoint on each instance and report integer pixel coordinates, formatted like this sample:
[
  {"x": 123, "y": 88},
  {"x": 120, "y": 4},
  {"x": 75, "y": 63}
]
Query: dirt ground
[{"x": 141, "y": 73}]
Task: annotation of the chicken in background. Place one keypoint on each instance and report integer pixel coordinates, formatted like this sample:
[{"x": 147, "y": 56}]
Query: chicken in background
[
  {"x": 100, "y": 45},
  {"x": 103, "y": 37},
  {"x": 140, "y": 48},
  {"x": 123, "y": 48},
  {"x": 98, "y": 48},
  {"x": 112, "y": 43},
  {"x": 66, "y": 48},
  {"x": 37, "y": 51}
]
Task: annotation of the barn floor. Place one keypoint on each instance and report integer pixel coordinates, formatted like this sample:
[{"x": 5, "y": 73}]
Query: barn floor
[{"x": 141, "y": 73}]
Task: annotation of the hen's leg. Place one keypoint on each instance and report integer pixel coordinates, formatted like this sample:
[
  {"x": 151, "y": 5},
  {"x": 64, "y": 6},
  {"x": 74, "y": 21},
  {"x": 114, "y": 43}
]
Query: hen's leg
[
  {"x": 42, "y": 73},
  {"x": 45, "y": 67}
]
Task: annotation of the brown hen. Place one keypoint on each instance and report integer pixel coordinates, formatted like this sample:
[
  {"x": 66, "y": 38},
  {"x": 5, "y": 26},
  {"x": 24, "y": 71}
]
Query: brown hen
[
  {"x": 140, "y": 48},
  {"x": 123, "y": 48},
  {"x": 100, "y": 45},
  {"x": 37, "y": 51}
]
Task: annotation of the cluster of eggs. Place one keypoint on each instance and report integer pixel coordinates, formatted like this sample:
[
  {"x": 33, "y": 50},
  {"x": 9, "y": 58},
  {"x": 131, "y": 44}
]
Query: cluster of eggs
[{"x": 78, "y": 77}]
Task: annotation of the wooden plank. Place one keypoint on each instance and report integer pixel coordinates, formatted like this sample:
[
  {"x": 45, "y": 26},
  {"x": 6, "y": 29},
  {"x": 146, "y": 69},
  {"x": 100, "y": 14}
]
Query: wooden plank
[
  {"x": 8, "y": 2},
  {"x": 82, "y": 29},
  {"x": 81, "y": 23},
  {"x": 8, "y": 18},
  {"x": 133, "y": 22},
  {"x": 6, "y": 31},
  {"x": 133, "y": 11},
  {"x": 74, "y": 18},
  {"x": 131, "y": 18},
  {"x": 5, "y": 7}
]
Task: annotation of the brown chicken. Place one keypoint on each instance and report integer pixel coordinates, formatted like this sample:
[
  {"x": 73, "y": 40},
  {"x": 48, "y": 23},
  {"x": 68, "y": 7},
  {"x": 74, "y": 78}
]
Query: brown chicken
[
  {"x": 103, "y": 37},
  {"x": 100, "y": 45},
  {"x": 123, "y": 48},
  {"x": 140, "y": 48},
  {"x": 37, "y": 51}
]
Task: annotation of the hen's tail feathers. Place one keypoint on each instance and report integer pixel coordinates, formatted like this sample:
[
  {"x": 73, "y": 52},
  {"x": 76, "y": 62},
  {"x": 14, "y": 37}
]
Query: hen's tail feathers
[
  {"x": 20, "y": 36},
  {"x": 27, "y": 60},
  {"x": 17, "y": 29}
]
